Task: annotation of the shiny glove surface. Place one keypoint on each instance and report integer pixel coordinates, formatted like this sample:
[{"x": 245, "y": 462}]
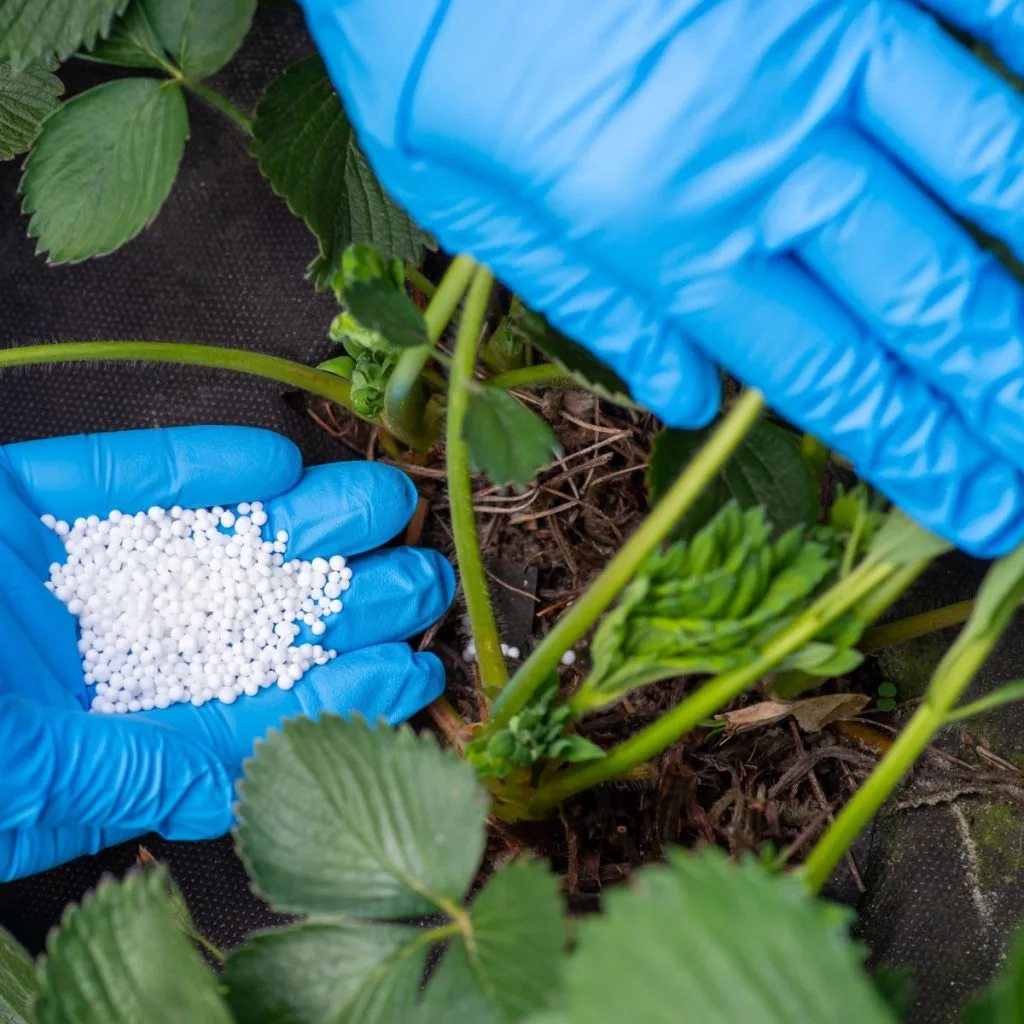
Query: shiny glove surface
[
  {"x": 72, "y": 782},
  {"x": 767, "y": 185}
]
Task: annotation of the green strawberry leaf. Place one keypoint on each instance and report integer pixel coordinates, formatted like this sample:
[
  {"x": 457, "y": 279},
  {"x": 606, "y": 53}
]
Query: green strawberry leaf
[
  {"x": 34, "y": 29},
  {"x": 512, "y": 964},
  {"x": 201, "y": 35},
  {"x": 704, "y": 940},
  {"x": 579, "y": 363},
  {"x": 103, "y": 166},
  {"x": 766, "y": 469},
  {"x": 306, "y": 147},
  {"x": 339, "y": 969},
  {"x": 341, "y": 818},
  {"x": 505, "y": 440},
  {"x": 133, "y": 42},
  {"x": 121, "y": 957},
  {"x": 19, "y": 984},
  {"x": 27, "y": 98},
  {"x": 328, "y": 970}
]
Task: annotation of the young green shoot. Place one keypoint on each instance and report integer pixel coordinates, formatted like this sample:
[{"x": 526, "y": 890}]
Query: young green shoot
[{"x": 713, "y": 695}]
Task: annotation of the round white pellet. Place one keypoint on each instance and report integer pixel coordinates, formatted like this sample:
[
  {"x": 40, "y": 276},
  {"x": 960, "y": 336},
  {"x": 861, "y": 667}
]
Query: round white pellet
[
  {"x": 569, "y": 658},
  {"x": 173, "y": 609}
]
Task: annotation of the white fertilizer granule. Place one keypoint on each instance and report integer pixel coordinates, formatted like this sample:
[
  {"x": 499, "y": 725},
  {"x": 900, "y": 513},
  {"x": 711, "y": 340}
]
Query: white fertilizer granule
[{"x": 179, "y": 605}]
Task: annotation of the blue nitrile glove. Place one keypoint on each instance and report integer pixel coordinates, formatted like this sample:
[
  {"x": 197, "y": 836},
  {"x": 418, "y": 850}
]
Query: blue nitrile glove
[
  {"x": 72, "y": 782},
  {"x": 764, "y": 184}
]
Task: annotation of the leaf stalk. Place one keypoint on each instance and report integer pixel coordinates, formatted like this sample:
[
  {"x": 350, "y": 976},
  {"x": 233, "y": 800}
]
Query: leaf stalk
[{"x": 491, "y": 661}]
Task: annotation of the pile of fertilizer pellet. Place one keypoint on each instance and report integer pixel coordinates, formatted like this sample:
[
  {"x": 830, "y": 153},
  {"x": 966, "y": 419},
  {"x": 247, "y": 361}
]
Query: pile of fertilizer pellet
[{"x": 181, "y": 605}]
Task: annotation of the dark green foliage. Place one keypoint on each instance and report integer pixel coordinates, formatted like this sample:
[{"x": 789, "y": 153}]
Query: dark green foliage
[
  {"x": 376, "y": 825},
  {"x": 122, "y": 957},
  {"x": 705, "y": 941},
  {"x": 506, "y": 440},
  {"x": 200, "y": 35},
  {"x": 133, "y": 42},
  {"x": 33, "y": 29},
  {"x": 538, "y": 734},
  {"x": 767, "y": 469},
  {"x": 307, "y": 148},
  {"x": 103, "y": 166},
  {"x": 27, "y": 98},
  {"x": 19, "y": 984}
]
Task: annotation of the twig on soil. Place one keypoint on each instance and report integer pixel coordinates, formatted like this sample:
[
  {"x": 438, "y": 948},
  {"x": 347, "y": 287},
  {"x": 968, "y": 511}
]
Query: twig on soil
[{"x": 819, "y": 795}]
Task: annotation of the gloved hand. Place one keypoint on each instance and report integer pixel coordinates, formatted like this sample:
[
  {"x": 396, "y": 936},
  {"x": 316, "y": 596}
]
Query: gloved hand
[
  {"x": 762, "y": 184},
  {"x": 72, "y": 782}
]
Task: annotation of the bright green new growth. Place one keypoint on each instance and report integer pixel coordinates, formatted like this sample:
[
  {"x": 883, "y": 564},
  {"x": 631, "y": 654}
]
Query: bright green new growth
[
  {"x": 368, "y": 364},
  {"x": 704, "y": 605},
  {"x": 536, "y": 735}
]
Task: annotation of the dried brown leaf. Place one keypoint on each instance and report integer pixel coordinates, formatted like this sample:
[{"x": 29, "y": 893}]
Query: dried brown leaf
[{"x": 811, "y": 713}]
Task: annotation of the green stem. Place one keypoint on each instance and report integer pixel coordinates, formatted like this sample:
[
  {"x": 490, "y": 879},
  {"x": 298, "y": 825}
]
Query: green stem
[
  {"x": 620, "y": 570},
  {"x": 420, "y": 281},
  {"x": 529, "y": 376},
  {"x": 460, "y": 490},
  {"x": 890, "y": 634},
  {"x": 714, "y": 694},
  {"x": 881, "y": 599},
  {"x": 905, "y": 750},
  {"x": 950, "y": 680},
  {"x": 221, "y": 103},
  {"x": 318, "y": 382},
  {"x": 215, "y": 951},
  {"x": 448, "y": 296}
]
